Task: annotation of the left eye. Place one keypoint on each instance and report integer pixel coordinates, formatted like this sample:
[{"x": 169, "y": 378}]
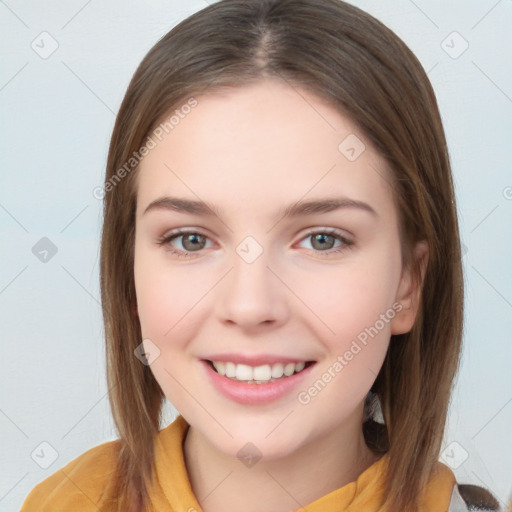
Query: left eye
[
  {"x": 193, "y": 242},
  {"x": 322, "y": 241}
]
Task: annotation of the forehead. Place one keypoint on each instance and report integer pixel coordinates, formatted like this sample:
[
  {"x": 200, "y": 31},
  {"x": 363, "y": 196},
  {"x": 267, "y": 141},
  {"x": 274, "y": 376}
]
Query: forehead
[{"x": 260, "y": 144}]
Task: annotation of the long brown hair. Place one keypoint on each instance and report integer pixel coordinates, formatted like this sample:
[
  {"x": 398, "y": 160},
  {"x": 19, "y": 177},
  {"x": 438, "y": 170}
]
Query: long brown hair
[{"x": 363, "y": 69}]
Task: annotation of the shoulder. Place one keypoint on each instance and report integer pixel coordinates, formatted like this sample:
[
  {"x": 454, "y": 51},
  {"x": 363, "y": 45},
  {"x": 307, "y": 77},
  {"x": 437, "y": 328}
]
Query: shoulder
[
  {"x": 467, "y": 497},
  {"x": 79, "y": 485}
]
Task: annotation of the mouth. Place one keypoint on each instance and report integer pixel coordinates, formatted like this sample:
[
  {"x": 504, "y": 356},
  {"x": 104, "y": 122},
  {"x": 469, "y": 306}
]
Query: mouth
[{"x": 262, "y": 374}]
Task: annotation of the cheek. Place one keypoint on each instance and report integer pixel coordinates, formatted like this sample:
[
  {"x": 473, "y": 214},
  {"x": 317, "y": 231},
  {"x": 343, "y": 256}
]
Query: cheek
[
  {"x": 355, "y": 305},
  {"x": 357, "y": 308},
  {"x": 164, "y": 295},
  {"x": 351, "y": 298},
  {"x": 165, "y": 301}
]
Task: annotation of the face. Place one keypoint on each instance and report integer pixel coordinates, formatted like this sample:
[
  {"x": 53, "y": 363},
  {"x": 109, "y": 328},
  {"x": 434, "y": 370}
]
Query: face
[{"x": 259, "y": 288}]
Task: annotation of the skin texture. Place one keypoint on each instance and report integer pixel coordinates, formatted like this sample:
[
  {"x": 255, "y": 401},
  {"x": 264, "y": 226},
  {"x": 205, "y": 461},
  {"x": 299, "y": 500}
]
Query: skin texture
[{"x": 251, "y": 151}]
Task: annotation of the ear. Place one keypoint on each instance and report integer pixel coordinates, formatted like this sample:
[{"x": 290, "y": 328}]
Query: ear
[{"x": 409, "y": 292}]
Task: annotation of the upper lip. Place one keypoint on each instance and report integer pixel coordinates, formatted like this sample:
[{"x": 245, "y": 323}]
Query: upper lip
[{"x": 255, "y": 360}]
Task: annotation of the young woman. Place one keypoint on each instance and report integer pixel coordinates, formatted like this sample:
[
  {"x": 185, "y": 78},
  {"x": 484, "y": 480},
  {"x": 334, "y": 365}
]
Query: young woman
[{"x": 280, "y": 260}]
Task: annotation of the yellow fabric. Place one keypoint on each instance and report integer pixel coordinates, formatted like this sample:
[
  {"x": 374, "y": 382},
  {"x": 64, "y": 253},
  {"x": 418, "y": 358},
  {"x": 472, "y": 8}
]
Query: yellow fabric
[{"x": 84, "y": 485}]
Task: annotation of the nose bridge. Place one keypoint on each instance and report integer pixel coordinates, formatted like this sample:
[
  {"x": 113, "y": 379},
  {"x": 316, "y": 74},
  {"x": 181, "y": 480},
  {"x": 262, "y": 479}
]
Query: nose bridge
[{"x": 251, "y": 294}]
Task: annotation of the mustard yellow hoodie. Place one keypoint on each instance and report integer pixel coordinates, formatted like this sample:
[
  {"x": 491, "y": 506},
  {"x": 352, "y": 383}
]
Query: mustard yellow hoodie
[{"x": 85, "y": 484}]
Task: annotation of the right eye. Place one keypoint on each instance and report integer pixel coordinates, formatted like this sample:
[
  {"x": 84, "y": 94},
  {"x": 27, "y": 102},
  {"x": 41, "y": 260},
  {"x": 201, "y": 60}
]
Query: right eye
[{"x": 190, "y": 241}]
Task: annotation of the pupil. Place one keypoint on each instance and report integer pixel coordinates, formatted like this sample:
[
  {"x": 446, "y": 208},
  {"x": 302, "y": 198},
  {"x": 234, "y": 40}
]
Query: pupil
[
  {"x": 192, "y": 240},
  {"x": 320, "y": 238}
]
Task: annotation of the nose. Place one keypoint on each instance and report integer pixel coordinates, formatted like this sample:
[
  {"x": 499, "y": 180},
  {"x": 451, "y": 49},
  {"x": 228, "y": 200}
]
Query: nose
[{"x": 252, "y": 294}]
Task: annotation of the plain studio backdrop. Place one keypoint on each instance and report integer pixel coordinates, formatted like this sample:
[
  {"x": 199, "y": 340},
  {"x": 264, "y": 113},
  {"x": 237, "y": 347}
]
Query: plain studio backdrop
[{"x": 65, "y": 68}]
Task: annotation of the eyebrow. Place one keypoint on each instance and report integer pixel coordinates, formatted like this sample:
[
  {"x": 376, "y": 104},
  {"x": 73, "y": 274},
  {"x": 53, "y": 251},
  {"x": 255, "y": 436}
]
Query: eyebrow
[{"x": 311, "y": 207}]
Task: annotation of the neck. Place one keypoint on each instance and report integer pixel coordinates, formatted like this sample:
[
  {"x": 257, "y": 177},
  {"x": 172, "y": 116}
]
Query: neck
[{"x": 223, "y": 484}]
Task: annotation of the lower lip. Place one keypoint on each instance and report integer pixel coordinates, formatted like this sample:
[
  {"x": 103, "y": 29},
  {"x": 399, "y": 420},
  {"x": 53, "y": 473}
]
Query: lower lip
[{"x": 251, "y": 394}]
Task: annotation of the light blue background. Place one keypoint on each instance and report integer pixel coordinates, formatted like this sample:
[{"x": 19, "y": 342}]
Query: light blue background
[{"x": 57, "y": 116}]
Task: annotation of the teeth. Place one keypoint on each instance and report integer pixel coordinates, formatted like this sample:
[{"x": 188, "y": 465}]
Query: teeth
[
  {"x": 230, "y": 370},
  {"x": 289, "y": 369},
  {"x": 277, "y": 370},
  {"x": 259, "y": 374},
  {"x": 244, "y": 372},
  {"x": 262, "y": 372},
  {"x": 220, "y": 367},
  {"x": 300, "y": 366}
]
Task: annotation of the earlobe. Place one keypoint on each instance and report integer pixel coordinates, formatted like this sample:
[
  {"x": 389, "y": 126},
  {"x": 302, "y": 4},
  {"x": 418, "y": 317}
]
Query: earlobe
[{"x": 409, "y": 292}]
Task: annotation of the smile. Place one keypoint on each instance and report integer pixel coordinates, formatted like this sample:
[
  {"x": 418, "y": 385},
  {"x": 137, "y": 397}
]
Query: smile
[{"x": 262, "y": 374}]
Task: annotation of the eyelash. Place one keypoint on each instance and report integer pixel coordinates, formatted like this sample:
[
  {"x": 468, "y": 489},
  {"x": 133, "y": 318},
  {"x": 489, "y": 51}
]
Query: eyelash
[{"x": 166, "y": 239}]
